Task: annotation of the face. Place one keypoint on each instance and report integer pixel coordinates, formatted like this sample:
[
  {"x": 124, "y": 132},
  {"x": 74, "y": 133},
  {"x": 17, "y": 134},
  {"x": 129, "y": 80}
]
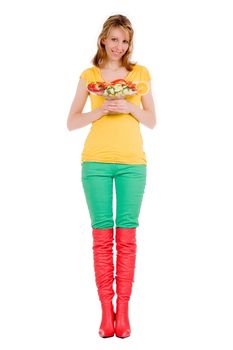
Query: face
[{"x": 117, "y": 43}]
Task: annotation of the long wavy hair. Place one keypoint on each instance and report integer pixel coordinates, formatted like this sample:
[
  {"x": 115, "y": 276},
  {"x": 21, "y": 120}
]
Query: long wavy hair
[{"x": 113, "y": 22}]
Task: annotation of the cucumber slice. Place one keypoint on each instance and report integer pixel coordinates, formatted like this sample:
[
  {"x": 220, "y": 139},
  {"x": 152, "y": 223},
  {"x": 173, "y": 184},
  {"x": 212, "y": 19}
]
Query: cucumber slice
[
  {"x": 126, "y": 90},
  {"x": 118, "y": 88}
]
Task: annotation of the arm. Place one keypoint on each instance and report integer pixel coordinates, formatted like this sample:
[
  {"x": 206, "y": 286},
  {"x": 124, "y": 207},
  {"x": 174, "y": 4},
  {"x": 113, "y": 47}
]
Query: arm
[
  {"x": 147, "y": 115},
  {"x": 77, "y": 119}
]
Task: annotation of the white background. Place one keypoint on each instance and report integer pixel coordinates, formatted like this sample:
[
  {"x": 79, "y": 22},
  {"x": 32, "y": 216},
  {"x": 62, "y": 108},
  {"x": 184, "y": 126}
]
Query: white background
[{"x": 182, "y": 295}]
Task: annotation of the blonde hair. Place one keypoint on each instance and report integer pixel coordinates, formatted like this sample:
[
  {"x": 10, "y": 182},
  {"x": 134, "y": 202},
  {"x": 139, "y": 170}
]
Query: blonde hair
[{"x": 113, "y": 22}]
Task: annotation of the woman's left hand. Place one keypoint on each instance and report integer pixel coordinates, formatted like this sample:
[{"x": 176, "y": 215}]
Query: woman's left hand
[{"x": 119, "y": 106}]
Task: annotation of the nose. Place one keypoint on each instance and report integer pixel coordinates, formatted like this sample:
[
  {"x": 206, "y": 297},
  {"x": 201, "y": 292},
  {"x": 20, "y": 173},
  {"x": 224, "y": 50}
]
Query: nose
[{"x": 119, "y": 46}]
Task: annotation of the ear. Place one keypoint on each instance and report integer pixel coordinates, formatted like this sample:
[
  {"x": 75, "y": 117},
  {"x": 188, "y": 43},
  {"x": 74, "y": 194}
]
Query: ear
[{"x": 103, "y": 41}]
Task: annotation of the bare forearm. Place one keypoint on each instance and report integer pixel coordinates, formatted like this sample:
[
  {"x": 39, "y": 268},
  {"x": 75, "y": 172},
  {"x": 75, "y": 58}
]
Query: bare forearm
[
  {"x": 79, "y": 120},
  {"x": 145, "y": 117}
]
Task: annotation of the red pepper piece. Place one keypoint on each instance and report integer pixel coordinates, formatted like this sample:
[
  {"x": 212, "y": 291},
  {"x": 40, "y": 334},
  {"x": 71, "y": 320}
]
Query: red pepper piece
[{"x": 123, "y": 81}]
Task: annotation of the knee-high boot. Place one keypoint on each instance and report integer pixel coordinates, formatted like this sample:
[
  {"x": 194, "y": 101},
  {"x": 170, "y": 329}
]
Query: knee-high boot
[
  {"x": 104, "y": 276},
  {"x": 125, "y": 267}
]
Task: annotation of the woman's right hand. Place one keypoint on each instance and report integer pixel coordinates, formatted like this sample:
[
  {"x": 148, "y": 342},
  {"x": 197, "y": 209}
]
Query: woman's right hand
[
  {"x": 105, "y": 109},
  {"x": 99, "y": 112}
]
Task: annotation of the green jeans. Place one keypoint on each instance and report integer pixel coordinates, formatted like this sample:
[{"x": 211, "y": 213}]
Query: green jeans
[{"x": 97, "y": 181}]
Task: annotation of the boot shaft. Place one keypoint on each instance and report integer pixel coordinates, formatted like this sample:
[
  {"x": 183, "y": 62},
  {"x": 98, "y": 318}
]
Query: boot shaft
[
  {"x": 126, "y": 248},
  {"x": 103, "y": 263}
]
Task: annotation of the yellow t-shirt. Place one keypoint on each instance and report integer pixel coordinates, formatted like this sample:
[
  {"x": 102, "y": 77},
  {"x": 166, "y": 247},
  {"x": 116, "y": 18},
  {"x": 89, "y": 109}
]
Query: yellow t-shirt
[{"x": 114, "y": 138}]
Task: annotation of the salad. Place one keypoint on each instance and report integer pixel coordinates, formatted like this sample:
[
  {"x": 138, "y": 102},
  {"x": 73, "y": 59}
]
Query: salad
[{"x": 118, "y": 88}]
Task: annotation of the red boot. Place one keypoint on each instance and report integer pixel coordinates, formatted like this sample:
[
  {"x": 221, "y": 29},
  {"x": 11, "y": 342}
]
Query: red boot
[
  {"x": 125, "y": 266},
  {"x": 104, "y": 276}
]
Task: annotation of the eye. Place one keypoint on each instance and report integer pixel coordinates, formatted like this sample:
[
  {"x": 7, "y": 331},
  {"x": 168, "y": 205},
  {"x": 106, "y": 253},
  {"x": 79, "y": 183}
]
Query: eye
[
  {"x": 126, "y": 41},
  {"x": 114, "y": 39}
]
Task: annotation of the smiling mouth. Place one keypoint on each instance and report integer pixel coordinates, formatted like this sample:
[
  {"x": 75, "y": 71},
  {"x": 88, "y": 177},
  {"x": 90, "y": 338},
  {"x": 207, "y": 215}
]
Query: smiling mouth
[{"x": 116, "y": 53}]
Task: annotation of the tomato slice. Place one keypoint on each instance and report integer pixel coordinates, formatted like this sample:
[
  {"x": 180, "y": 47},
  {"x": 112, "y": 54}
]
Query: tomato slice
[
  {"x": 96, "y": 86},
  {"x": 131, "y": 85}
]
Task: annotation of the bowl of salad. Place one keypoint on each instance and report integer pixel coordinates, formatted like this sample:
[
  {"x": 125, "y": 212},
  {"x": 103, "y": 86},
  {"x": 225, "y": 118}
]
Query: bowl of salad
[{"x": 116, "y": 89}]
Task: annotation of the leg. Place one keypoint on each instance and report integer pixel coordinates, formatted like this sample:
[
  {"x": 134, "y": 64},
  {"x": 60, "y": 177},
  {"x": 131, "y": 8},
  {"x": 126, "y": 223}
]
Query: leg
[
  {"x": 97, "y": 183},
  {"x": 130, "y": 185},
  {"x": 98, "y": 186},
  {"x": 104, "y": 276}
]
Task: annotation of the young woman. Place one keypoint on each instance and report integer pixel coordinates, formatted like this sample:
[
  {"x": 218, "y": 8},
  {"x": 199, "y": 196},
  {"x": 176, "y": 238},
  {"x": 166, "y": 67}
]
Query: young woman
[{"x": 113, "y": 151}]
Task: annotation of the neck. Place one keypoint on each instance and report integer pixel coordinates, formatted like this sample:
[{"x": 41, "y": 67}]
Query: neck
[{"x": 113, "y": 65}]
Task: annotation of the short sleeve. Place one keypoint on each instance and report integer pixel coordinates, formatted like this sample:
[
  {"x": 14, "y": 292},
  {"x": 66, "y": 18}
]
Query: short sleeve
[
  {"x": 85, "y": 75},
  {"x": 145, "y": 74}
]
